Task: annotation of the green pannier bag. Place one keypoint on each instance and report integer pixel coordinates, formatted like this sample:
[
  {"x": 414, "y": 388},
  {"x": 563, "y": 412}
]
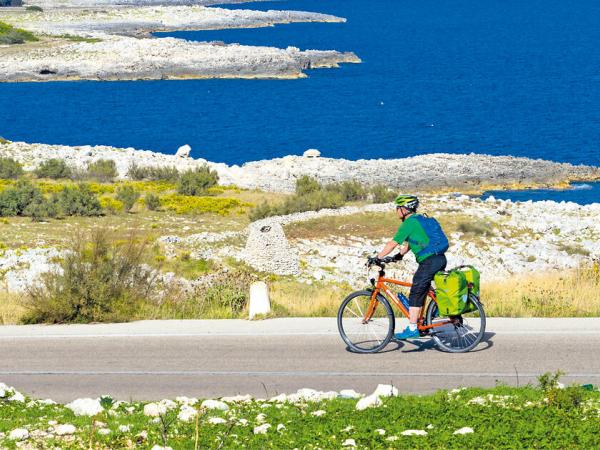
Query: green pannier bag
[
  {"x": 451, "y": 292},
  {"x": 472, "y": 276}
]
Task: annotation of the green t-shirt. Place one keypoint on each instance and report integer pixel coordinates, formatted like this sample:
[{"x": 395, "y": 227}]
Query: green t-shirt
[{"x": 412, "y": 231}]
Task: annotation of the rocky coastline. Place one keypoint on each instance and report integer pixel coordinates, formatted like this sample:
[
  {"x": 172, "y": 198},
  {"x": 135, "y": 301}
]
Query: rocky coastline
[
  {"x": 114, "y": 43},
  {"x": 441, "y": 172}
]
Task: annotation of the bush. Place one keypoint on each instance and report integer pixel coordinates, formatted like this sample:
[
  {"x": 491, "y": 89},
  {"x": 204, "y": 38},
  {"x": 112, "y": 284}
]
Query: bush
[
  {"x": 382, "y": 194},
  {"x": 103, "y": 170},
  {"x": 53, "y": 168},
  {"x": 34, "y": 8},
  {"x": 14, "y": 201},
  {"x": 79, "y": 201},
  {"x": 565, "y": 398},
  {"x": 110, "y": 204},
  {"x": 183, "y": 204},
  {"x": 100, "y": 281},
  {"x": 196, "y": 182},
  {"x": 11, "y": 35},
  {"x": 261, "y": 211},
  {"x": 128, "y": 196},
  {"x": 350, "y": 191},
  {"x": 157, "y": 173},
  {"x": 4, "y": 141},
  {"x": 152, "y": 201},
  {"x": 10, "y": 168},
  {"x": 307, "y": 185}
]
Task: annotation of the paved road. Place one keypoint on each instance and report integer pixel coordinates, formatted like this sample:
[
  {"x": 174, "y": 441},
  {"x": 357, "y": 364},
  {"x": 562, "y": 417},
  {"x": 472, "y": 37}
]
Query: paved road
[{"x": 153, "y": 360}]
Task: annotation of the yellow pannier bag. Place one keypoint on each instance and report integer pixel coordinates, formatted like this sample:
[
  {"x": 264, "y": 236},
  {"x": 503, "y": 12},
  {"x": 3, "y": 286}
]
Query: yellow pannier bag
[
  {"x": 451, "y": 292},
  {"x": 472, "y": 276}
]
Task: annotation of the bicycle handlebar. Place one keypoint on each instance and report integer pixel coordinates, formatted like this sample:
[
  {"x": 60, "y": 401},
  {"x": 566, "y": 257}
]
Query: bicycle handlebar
[{"x": 381, "y": 262}]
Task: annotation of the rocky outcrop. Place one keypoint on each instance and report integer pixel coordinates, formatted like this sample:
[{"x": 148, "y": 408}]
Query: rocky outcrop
[
  {"x": 109, "y": 52},
  {"x": 433, "y": 172}
]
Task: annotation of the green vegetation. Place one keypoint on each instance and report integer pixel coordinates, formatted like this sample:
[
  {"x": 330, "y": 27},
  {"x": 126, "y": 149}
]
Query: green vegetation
[
  {"x": 103, "y": 170},
  {"x": 312, "y": 196},
  {"x": 127, "y": 195},
  {"x": 573, "y": 249},
  {"x": 10, "y": 169},
  {"x": 79, "y": 201},
  {"x": 170, "y": 174},
  {"x": 74, "y": 38},
  {"x": 11, "y": 35},
  {"x": 34, "y": 8},
  {"x": 102, "y": 280},
  {"x": 198, "y": 181},
  {"x": 499, "y": 418},
  {"x": 4, "y": 141},
  {"x": 53, "y": 168},
  {"x": 152, "y": 201}
]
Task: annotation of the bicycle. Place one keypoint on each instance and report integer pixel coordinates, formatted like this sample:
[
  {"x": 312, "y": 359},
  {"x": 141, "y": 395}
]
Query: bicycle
[{"x": 368, "y": 328}]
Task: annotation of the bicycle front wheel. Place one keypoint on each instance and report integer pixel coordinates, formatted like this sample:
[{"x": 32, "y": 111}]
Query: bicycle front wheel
[
  {"x": 366, "y": 325},
  {"x": 458, "y": 334}
]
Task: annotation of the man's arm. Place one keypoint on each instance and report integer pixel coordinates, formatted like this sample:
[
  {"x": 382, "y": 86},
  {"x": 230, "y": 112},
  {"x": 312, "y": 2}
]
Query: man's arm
[{"x": 389, "y": 248}]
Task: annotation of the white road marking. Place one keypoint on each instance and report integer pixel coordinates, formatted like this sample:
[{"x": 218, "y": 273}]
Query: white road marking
[{"x": 282, "y": 373}]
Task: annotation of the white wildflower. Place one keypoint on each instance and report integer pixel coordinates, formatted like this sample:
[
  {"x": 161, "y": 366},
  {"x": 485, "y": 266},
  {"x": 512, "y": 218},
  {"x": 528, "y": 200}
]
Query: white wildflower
[
  {"x": 18, "y": 434},
  {"x": 243, "y": 422},
  {"x": 237, "y": 399},
  {"x": 260, "y": 418},
  {"x": 52, "y": 422},
  {"x": 430, "y": 427},
  {"x": 64, "y": 430},
  {"x": 319, "y": 413},
  {"x": 158, "y": 447},
  {"x": 281, "y": 398},
  {"x": 216, "y": 420},
  {"x": 391, "y": 438},
  {"x": 124, "y": 428},
  {"x": 187, "y": 413},
  {"x": 16, "y": 397},
  {"x": 414, "y": 433},
  {"x": 215, "y": 404},
  {"x": 104, "y": 431},
  {"x": 168, "y": 404},
  {"x": 154, "y": 409},
  {"x": 262, "y": 429},
  {"x": 349, "y": 393},
  {"x": 85, "y": 407},
  {"x": 380, "y": 431},
  {"x": 348, "y": 429},
  {"x": 464, "y": 430},
  {"x": 280, "y": 427},
  {"x": 349, "y": 443}
]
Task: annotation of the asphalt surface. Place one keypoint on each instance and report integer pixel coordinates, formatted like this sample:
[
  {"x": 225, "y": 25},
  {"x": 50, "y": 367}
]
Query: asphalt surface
[{"x": 154, "y": 360}]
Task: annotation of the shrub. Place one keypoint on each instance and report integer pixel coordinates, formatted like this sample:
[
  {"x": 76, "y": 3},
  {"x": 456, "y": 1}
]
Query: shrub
[
  {"x": 11, "y": 35},
  {"x": 110, "y": 205},
  {"x": 313, "y": 201},
  {"x": 14, "y": 201},
  {"x": 476, "y": 227},
  {"x": 4, "y": 141},
  {"x": 350, "y": 191},
  {"x": 182, "y": 204},
  {"x": 307, "y": 185},
  {"x": 100, "y": 280},
  {"x": 79, "y": 201},
  {"x": 53, "y": 168},
  {"x": 104, "y": 170},
  {"x": 128, "y": 196},
  {"x": 196, "y": 182},
  {"x": 565, "y": 398},
  {"x": 156, "y": 173},
  {"x": 34, "y": 8},
  {"x": 152, "y": 201},
  {"x": 261, "y": 211},
  {"x": 42, "y": 208},
  {"x": 10, "y": 168},
  {"x": 382, "y": 194}
]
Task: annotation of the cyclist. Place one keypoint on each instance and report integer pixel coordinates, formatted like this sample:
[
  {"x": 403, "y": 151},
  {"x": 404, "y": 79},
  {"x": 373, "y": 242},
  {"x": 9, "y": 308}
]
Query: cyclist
[{"x": 426, "y": 239}]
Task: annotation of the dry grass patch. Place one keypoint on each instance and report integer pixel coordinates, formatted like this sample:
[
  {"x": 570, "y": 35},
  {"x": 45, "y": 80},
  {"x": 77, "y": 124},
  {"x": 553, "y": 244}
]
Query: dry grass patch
[
  {"x": 11, "y": 308},
  {"x": 554, "y": 294},
  {"x": 365, "y": 225},
  {"x": 291, "y": 298}
]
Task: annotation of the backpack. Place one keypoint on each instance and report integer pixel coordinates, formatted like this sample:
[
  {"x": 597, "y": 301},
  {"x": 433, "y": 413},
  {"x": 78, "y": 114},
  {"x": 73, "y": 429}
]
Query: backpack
[{"x": 438, "y": 242}]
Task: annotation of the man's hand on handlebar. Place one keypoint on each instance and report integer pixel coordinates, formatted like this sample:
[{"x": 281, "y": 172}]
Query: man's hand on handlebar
[{"x": 375, "y": 261}]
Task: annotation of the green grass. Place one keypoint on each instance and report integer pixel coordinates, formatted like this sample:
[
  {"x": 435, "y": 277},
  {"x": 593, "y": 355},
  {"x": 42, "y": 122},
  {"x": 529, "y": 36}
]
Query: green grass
[
  {"x": 11, "y": 35},
  {"x": 74, "y": 38},
  {"x": 513, "y": 418}
]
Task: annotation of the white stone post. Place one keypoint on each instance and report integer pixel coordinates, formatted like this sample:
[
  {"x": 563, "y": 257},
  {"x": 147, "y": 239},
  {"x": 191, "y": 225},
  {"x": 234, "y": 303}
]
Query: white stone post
[{"x": 259, "y": 299}]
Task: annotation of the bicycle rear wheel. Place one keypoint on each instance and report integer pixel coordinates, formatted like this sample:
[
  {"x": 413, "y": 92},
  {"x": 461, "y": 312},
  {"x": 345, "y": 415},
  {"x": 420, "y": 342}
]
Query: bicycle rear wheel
[
  {"x": 462, "y": 333},
  {"x": 365, "y": 334}
]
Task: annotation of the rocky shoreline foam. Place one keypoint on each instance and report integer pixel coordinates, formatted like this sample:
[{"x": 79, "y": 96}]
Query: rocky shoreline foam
[
  {"x": 117, "y": 46},
  {"x": 426, "y": 173}
]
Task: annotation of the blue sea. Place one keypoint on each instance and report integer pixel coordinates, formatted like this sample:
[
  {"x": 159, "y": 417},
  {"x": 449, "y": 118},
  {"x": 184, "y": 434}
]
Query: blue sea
[{"x": 505, "y": 77}]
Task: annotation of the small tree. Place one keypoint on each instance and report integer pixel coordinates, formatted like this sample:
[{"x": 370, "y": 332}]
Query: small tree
[
  {"x": 152, "y": 201},
  {"x": 104, "y": 170},
  {"x": 53, "y": 168},
  {"x": 10, "y": 168},
  {"x": 128, "y": 196},
  {"x": 307, "y": 185},
  {"x": 196, "y": 182},
  {"x": 79, "y": 201}
]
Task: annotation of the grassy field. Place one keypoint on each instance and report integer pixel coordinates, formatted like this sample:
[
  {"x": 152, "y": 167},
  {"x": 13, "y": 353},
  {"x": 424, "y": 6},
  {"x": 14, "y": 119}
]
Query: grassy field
[{"x": 499, "y": 418}]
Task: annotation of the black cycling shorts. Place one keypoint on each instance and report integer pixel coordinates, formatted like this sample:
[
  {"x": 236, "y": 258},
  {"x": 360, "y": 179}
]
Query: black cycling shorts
[{"x": 423, "y": 278}]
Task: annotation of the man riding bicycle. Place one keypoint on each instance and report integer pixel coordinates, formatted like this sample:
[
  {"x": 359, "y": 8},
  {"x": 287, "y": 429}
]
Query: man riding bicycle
[{"x": 425, "y": 238}]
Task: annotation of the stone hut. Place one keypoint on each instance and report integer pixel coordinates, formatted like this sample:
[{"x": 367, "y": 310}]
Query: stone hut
[{"x": 268, "y": 250}]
